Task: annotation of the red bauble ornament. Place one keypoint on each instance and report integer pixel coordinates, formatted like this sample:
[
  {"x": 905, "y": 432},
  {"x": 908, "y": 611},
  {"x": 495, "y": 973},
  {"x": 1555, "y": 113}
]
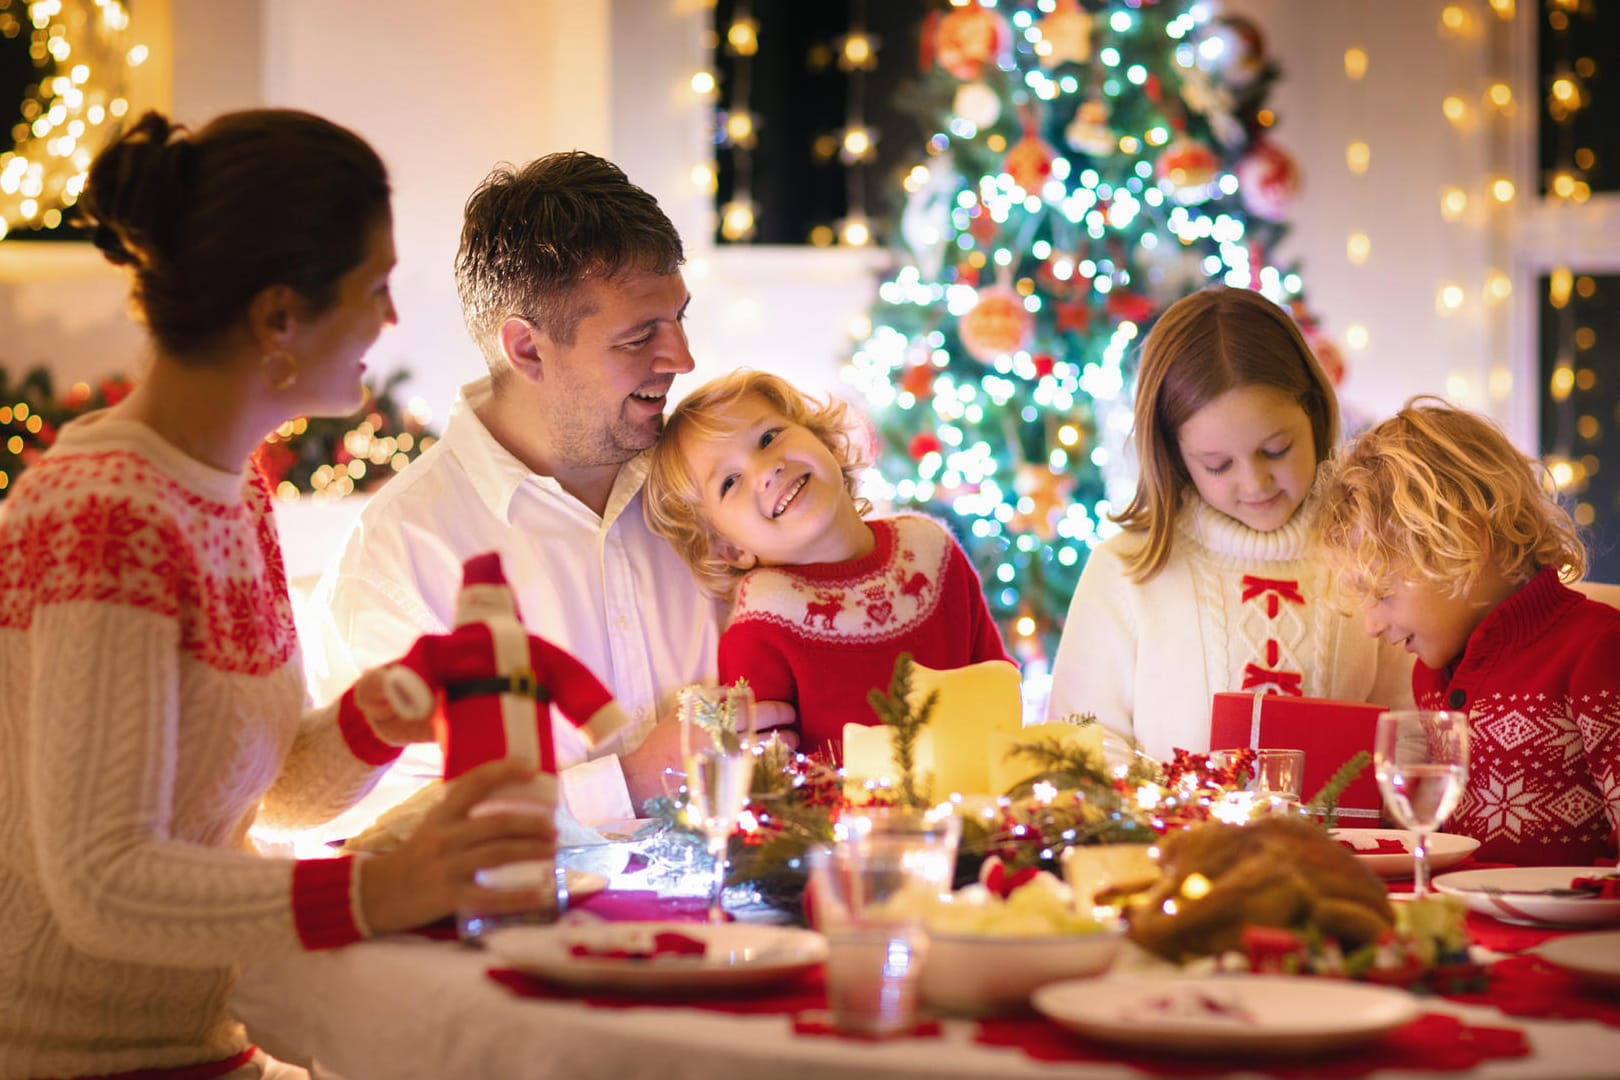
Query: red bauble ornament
[
  {"x": 998, "y": 324},
  {"x": 922, "y": 444},
  {"x": 970, "y": 39},
  {"x": 1074, "y": 315},
  {"x": 918, "y": 381},
  {"x": 1132, "y": 307},
  {"x": 1029, "y": 162},
  {"x": 1269, "y": 181},
  {"x": 1044, "y": 364},
  {"x": 1186, "y": 169}
]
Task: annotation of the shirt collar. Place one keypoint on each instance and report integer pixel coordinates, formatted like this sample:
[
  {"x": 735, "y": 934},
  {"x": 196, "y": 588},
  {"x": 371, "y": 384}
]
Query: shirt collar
[{"x": 497, "y": 475}]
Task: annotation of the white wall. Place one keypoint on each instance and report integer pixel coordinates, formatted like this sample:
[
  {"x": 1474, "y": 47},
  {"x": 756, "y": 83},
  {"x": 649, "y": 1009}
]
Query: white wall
[{"x": 445, "y": 91}]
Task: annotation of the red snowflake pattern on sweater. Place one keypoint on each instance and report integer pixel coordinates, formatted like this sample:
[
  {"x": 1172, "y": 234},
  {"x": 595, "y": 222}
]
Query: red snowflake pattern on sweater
[{"x": 111, "y": 528}]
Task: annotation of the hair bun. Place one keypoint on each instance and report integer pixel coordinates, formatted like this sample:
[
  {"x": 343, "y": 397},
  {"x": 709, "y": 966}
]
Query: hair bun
[{"x": 138, "y": 190}]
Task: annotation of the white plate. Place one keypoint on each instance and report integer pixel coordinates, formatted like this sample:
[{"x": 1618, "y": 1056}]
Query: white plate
[
  {"x": 738, "y": 955},
  {"x": 1591, "y": 958},
  {"x": 583, "y": 883},
  {"x": 1492, "y": 892},
  {"x": 1218, "y": 1014},
  {"x": 1445, "y": 849}
]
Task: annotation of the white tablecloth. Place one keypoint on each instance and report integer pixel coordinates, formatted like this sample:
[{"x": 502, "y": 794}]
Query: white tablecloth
[{"x": 404, "y": 1008}]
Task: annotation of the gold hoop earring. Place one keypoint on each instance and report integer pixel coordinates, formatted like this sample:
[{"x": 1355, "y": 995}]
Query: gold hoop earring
[{"x": 289, "y": 373}]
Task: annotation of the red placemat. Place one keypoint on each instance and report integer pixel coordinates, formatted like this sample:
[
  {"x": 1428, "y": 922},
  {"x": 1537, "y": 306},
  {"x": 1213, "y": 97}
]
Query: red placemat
[
  {"x": 1529, "y": 986},
  {"x": 1434, "y": 1042}
]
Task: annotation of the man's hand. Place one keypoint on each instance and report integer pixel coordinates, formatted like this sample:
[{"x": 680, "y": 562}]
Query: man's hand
[{"x": 644, "y": 766}]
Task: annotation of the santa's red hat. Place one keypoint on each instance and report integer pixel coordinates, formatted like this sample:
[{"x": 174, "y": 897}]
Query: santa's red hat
[{"x": 484, "y": 591}]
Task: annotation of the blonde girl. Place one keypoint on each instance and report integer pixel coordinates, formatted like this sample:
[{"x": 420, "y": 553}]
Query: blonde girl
[
  {"x": 1447, "y": 538},
  {"x": 1209, "y": 586},
  {"x": 753, "y": 483}
]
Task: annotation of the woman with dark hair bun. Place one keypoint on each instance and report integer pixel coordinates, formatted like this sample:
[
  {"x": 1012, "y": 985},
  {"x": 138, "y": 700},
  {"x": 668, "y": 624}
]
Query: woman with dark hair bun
[{"x": 154, "y": 700}]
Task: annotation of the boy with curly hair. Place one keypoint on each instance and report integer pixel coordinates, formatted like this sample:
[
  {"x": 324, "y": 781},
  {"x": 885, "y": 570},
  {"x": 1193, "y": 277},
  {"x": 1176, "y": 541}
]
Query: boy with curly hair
[
  {"x": 1446, "y": 534},
  {"x": 754, "y": 485}
]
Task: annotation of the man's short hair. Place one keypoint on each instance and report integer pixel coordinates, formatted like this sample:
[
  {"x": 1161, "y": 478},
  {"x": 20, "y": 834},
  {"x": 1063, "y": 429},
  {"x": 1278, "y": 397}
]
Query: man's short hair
[{"x": 531, "y": 236}]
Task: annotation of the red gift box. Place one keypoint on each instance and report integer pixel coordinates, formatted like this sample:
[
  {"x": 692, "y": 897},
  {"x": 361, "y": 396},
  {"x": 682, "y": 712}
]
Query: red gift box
[{"x": 1330, "y": 733}]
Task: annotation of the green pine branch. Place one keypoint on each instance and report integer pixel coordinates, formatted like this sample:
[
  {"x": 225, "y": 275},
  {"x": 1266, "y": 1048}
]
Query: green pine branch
[
  {"x": 1326, "y": 801},
  {"x": 905, "y": 723}
]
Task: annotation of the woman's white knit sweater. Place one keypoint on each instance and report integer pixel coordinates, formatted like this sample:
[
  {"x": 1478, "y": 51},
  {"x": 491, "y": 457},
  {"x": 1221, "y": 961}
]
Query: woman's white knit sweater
[
  {"x": 151, "y": 705},
  {"x": 1233, "y": 609}
]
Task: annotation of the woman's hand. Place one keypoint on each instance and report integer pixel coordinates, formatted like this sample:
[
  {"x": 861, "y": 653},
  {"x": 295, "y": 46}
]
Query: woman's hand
[
  {"x": 372, "y": 699},
  {"x": 430, "y": 875}
]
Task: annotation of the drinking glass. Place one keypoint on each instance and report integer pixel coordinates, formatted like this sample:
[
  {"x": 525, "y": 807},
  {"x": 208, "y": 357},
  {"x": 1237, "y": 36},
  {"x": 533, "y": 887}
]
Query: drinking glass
[
  {"x": 1421, "y": 759},
  {"x": 865, "y": 897},
  {"x": 717, "y": 744},
  {"x": 1279, "y": 774}
]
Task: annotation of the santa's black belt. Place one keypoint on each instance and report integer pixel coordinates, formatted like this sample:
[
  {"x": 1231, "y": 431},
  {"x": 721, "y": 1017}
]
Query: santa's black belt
[{"x": 521, "y": 683}]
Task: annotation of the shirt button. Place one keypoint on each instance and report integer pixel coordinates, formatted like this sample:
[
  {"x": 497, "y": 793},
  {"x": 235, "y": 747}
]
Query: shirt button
[
  {"x": 1456, "y": 699},
  {"x": 639, "y": 713}
]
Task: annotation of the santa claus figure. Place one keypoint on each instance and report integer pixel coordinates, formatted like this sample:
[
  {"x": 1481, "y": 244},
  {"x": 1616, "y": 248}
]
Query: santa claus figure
[{"x": 489, "y": 686}]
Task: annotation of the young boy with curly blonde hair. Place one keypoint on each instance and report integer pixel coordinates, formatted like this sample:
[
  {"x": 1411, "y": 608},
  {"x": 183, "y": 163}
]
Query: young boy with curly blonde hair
[
  {"x": 754, "y": 485},
  {"x": 1443, "y": 530}
]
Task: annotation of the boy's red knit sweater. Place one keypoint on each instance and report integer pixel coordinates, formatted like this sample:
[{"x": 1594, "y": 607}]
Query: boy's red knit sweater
[{"x": 1540, "y": 679}]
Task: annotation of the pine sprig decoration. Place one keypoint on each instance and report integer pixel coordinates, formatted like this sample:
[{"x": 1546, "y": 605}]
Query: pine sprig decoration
[
  {"x": 714, "y": 711},
  {"x": 1326, "y": 801},
  {"x": 905, "y": 722}
]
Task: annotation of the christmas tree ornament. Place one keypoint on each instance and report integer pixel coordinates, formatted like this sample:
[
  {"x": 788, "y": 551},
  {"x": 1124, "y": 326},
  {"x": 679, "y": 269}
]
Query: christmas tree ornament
[
  {"x": 997, "y": 325},
  {"x": 918, "y": 381},
  {"x": 1029, "y": 162},
  {"x": 977, "y": 104},
  {"x": 1042, "y": 494},
  {"x": 922, "y": 444},
  {"x": 1216, "y": 103},
  {"x": 1268, "y": 180},
  {"x": 967, "y": 40},
  {"x": 1065, "y": 36},
  {"x": 1089, "y": 131},
  {"x": 1232, "y": 49},
  {"x": 1186, "y": 169}
]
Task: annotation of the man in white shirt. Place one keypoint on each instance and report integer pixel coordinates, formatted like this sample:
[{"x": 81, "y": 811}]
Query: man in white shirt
[{"x": 570, "y": 284}]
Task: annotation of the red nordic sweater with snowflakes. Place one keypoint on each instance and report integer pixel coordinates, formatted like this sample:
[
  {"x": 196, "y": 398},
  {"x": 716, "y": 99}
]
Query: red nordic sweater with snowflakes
[
  {"x": 1540, "y": 679},
  {"x": 153, "y": 706},
  {"x": 820, "y": 637}
]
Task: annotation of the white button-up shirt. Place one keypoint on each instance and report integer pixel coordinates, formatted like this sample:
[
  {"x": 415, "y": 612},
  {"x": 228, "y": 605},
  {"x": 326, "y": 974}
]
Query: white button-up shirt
[{"x": 602, "y": 587}]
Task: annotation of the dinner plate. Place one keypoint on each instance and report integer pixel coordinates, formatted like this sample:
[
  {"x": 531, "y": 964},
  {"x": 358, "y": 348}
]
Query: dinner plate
[
  {"x": 1445, "y": 849},
  {"x": 1512, "y": 895},
  {"x": 1591, "y": 958},
  {"x": 1218, "y": 1014},
  {"x": 738, "y": 955}
]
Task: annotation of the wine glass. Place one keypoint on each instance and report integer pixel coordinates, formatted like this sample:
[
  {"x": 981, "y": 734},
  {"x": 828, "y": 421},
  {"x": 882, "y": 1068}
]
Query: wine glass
[
  {"x": 1421, "y": 759},
  {"x": 717, "y": 744}
]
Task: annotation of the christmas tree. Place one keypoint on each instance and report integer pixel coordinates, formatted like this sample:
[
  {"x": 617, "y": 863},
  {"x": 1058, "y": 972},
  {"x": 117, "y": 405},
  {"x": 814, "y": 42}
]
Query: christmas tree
[{"x": 1090, "y": 163}]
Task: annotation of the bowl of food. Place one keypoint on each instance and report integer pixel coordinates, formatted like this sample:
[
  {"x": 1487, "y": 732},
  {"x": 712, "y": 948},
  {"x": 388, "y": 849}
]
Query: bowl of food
[{"x": 988, "y": 954}]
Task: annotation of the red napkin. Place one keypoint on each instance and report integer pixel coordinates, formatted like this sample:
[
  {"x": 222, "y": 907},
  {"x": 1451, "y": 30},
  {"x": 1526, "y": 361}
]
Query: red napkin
[
  {"x": 1530, "y": 986},
  {"x": 1434, "y": 1042},
  {"x": 1384, "y": 845},
  {"x": 1604, "y": 886},
  {"x": 664, "y": 943}
]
